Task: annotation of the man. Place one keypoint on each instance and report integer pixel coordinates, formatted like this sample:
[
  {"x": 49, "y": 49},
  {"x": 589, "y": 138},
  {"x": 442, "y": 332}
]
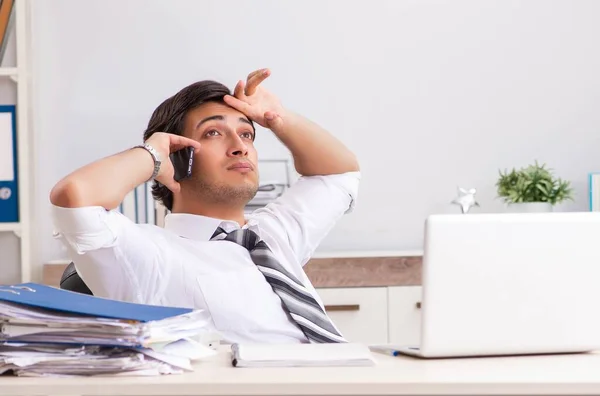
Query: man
[{"x": 245, "y": 271}]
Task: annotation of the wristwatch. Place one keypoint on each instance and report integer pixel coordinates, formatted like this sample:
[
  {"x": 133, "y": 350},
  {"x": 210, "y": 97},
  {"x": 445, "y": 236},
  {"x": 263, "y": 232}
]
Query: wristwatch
[{"x": 155, "y": 157}]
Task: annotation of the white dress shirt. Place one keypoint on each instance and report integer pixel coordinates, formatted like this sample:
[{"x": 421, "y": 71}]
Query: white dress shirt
[{"x": 178, "y": 266}]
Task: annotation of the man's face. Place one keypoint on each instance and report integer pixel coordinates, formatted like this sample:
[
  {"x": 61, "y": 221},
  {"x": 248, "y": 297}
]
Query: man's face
[{"x": 225, "y": 169}]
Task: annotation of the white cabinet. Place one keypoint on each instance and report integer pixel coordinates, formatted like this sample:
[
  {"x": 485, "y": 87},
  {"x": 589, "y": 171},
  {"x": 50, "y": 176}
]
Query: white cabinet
[
  {"x": 361, "y": 313},
  {"x": 404, "y": 315},
  {"x": 376, "y": 315}
]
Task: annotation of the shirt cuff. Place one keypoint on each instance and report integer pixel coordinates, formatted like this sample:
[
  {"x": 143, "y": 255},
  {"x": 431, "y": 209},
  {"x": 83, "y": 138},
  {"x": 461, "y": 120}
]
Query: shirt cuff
[
  {"x": 85, "y": 228},
  {"x": 347, "y": 182}
]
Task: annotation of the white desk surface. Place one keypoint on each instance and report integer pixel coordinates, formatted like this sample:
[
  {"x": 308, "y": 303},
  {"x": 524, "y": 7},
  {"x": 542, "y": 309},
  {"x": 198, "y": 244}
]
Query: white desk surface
[{"x": 549, "y": 374}]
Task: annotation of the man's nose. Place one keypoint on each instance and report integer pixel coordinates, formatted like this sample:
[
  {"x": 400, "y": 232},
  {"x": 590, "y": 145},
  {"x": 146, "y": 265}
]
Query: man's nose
[{"x": 237, "y": 148}]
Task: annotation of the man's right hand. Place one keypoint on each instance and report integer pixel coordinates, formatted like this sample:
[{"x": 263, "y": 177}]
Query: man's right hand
[
  {"x": 165, "y": 144},
  {"x": 107, "y": 181}
]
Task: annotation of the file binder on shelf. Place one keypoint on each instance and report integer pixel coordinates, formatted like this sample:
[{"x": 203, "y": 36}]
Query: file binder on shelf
[
  {"x": 9, "y": 194},
  {"x": 7, "y": 19},
  {"x": 594, "y": 191},
  {"x": 139, "y": 206}
]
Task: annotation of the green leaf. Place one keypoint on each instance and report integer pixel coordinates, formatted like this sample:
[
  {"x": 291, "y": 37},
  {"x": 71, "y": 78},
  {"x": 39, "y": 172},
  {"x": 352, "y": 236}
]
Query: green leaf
[{"x": 534, "y": 183}]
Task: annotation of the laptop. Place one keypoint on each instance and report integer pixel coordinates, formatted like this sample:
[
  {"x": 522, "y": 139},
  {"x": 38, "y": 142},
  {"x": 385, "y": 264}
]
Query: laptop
[{"x": 509, "y": 284}]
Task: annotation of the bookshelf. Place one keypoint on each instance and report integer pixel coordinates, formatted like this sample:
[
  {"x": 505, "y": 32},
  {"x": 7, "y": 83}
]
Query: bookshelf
[
  {"x": 11, "y": 72},
  {"x": 8, "y": 227},
  {"x": 20, "y": 76}
]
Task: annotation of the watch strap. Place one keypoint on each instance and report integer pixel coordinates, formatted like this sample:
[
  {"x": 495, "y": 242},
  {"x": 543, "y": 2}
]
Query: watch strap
[{"x": 155, "y": 157}]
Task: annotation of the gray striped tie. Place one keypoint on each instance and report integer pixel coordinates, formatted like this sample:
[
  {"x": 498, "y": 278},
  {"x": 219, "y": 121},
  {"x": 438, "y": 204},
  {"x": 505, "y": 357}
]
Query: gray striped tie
[{"x": 301, "y": 305}]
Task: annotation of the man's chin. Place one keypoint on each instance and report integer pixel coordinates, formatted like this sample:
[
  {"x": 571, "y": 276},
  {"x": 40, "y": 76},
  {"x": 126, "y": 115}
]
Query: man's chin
[
  {"x": 241, "y": 183},
  {"x": 247, "y": 189},
  {"x": 228, "y": 190}
]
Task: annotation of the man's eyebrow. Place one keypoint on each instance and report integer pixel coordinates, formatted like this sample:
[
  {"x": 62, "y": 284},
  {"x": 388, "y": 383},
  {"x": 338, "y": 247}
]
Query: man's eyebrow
[
  {"x": 222, "y": 118},
  {"x": 242, "y": 119},
  {"x": 211, "y": 118}
]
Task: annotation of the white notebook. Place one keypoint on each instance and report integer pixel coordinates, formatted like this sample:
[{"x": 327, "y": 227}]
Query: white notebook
[{"x": 301, "y": 355}]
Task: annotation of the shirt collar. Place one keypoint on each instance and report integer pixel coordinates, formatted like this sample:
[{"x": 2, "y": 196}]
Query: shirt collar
[{"x": 200, "y": 227}]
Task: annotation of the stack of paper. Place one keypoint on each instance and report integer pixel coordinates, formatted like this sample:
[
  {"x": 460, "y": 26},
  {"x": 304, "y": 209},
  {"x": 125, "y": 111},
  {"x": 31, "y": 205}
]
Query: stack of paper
[
  {"x": 48, "y": 331},
  {"x": 301, "y": 355}
]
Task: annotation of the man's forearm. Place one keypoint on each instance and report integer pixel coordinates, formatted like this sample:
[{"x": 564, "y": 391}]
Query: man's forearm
[
  {"x": 104, "y": 182},
  {"x": 315, "y": 151}
]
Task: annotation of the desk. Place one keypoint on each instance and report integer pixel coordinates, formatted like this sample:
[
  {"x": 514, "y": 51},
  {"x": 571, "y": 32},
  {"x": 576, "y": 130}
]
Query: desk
[{"x": 551, "y": 374}]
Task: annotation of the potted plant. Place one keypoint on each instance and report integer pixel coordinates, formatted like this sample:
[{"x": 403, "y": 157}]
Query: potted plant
[{"x": 532, "y": 189}]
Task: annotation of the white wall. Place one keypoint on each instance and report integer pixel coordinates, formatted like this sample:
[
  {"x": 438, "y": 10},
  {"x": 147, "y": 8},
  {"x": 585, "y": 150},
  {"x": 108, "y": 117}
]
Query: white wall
[{"x": 429, "y": 94}]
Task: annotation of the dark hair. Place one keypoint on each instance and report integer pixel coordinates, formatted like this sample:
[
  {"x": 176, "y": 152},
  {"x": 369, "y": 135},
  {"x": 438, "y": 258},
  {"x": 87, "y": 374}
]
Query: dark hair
[{"x": 169, "y": 117}]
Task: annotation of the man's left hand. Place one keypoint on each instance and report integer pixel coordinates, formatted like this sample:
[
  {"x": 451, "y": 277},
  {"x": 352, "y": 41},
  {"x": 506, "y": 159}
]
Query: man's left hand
[{"x": 256, "y": 102}]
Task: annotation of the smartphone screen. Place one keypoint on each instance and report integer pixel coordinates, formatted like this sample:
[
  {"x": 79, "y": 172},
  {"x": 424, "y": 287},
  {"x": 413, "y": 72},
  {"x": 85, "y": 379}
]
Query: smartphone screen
[{"x": 182, "y": 162}]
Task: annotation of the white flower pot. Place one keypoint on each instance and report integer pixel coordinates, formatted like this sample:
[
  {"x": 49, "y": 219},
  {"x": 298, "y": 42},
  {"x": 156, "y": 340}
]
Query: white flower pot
[{"x": 529, "y": 207}]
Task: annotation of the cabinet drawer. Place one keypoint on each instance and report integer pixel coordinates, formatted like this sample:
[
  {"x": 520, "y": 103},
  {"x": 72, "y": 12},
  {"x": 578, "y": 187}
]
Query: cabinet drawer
[
  {"x": 404, "y": 315},
  {"x": 360, "y": 313}
]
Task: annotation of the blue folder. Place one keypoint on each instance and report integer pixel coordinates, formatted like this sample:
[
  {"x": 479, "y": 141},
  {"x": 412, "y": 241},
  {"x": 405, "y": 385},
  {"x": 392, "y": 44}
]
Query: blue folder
[
  {"x": 42, "y": 296},
  {"x": 9, "y": 191}
]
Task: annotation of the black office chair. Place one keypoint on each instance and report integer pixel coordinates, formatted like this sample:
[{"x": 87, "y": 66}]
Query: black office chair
[{"x": 70, "y": 280}]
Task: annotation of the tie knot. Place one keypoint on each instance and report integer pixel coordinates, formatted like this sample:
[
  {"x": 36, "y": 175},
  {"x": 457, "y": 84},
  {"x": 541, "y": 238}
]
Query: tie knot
[{"x": 244, "y": 237}]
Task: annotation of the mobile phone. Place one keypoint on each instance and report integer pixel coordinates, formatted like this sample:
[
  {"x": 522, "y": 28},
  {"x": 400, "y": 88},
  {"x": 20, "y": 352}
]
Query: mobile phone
[{"x": 182, "y": 161}]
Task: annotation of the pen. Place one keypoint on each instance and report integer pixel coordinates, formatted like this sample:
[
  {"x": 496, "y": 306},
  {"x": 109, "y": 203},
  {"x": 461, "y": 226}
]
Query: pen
[{"x": 385, "y": 350}]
